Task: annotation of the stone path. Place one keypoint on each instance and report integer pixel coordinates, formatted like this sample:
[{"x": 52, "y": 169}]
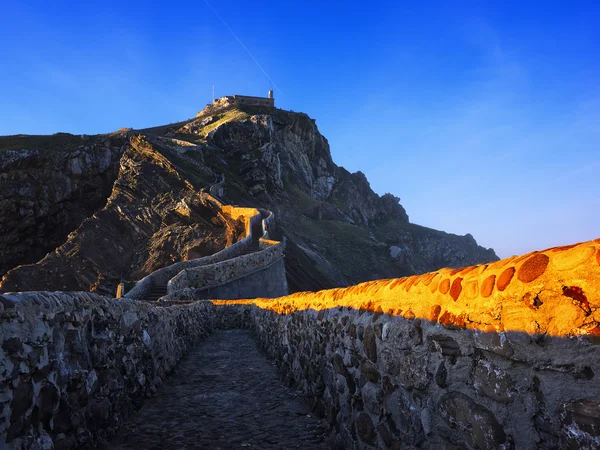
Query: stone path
[{"x": 226, "y": 394}]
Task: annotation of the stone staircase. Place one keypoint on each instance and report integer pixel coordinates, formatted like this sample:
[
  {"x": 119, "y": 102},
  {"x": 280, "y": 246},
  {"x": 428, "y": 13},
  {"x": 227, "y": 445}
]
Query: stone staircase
[
  {"x": 254, "y": 246},
  {"x": 157, "y": 292}
]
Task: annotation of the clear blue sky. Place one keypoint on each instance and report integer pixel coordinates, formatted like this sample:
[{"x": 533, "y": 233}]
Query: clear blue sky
[{"x": 484, "y": 119}]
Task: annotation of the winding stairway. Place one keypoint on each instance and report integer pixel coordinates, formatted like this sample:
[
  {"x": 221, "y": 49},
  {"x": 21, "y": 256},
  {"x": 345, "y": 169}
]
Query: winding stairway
[
  {"x": 157, "y": 291},
  {"x": 165, "y": 281},
  {"x": 160, "y": 290}
]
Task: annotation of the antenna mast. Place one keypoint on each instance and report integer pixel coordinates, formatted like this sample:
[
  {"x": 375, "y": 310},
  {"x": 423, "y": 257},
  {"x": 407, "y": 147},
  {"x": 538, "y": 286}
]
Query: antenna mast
[{"x": 213, "y": 93}]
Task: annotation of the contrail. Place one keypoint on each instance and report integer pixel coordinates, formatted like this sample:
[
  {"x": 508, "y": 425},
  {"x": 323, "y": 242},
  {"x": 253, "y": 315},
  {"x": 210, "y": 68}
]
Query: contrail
[{"x": 243, "y": 46}]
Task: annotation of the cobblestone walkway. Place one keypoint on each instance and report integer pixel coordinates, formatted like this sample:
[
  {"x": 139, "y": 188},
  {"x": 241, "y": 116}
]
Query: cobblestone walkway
[{"x": 226, "y": 394}]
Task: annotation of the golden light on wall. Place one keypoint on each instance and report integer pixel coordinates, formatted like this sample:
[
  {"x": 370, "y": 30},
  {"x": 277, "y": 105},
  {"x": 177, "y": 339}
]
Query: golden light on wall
[{"x": 555, "y": 291}]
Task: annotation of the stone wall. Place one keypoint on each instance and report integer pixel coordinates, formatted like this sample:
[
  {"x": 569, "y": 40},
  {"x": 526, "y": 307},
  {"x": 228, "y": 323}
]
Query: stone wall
[
  {"x": 216, "y": 190},
  {"x": 267, "y": 281},
  {"x": 74, "y": 365},
  {"x": 505, "y": 355},
  {"x": 220, "y": 275},
  {"x": 268, "y": 221},
  {"x": 226, "y": 271}
]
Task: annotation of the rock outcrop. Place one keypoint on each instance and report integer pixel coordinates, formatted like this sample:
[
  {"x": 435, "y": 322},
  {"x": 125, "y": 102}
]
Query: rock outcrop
[
  {"x": 46, "y": 193},
  {"x": 153, "y": 218}
]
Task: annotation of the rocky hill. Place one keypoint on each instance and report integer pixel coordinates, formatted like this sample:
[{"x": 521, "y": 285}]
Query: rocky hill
[{"x": 109, "y": 207}]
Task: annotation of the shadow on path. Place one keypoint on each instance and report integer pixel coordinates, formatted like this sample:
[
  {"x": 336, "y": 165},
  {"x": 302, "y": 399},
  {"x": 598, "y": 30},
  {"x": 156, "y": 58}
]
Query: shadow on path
[{"x": 226, "y": 394}]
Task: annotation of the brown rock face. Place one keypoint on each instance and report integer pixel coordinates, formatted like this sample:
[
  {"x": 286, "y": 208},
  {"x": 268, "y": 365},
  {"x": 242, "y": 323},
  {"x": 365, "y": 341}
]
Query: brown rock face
[
  {"x": 153, "y": 218},
  {"x": 580, "y": 422},
  {"x": 456, "y": 288},
  {"x": 365, "y": 428},
  {"x": 46, "y": 194},
  {"x": 487, "y": 287},
  {"x": 370, "y": 343},
  {"x": 444, "y": 286}
]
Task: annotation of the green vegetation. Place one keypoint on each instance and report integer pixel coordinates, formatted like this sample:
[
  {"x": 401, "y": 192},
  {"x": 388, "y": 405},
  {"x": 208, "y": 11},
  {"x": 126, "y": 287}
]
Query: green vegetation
[
  {"x": 348, "y": 247},
  {"x": 58, "y": 141},
  {"x": 392, "y": 230},
  {"x": 163, "y": 129},
  {"x": 301, "y": 199},
  {"x": 232, "y": 115}
]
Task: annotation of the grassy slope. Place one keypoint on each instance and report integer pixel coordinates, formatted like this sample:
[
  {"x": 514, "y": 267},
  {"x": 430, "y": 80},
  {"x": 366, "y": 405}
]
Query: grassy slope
[
  {"x": 348, "y": 247},
  {"x": 58, "y": 141}
]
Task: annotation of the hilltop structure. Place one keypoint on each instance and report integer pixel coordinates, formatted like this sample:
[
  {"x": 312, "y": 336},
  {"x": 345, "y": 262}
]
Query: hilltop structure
[
  {"x": 249, "y": 100},
  {"x": 243, "y": 100}
]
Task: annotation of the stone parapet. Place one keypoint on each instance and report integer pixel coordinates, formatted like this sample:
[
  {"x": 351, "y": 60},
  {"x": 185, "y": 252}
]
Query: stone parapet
[
  {"x": 226, "y": 271},
  {"x": 74, "y": 365},
  {"x": 554, "y": 291},
  {"x": 267, "y": 282},
  {"x": 505, "y": 355},
  {"x": 250, "y": 216}
]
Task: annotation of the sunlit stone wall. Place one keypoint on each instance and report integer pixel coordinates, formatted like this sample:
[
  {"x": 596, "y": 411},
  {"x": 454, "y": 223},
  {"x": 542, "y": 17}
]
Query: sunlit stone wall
[{"x": 505, "y": 355}]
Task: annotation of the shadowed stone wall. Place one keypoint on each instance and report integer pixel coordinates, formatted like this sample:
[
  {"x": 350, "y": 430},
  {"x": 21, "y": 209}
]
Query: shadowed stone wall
[
  {"x": 264, "y": 281},
  {"x": 73, "y": 366},
  {"x": 251, "y": 218},
  {"x": 259, "y": 274},
  {"x": 383, "y": 381}
]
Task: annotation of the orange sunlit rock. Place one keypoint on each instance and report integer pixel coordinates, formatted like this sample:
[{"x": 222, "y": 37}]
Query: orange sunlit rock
[
  {"x": 522, "y": 257},
  {"x": 468, "y": 269},
  {"x": 435, "y": 313},
  {"x": 505, "y": 278},
  {"x": 487, "y": 287},
  {"x": 456, "y": 288},
  {"x": 471, "y": 289},
  {"x": 516, "y": 304},
  {"x": 573, "y": 257},
  {"x": 410, "y": 282},
  {"x": 563, "y": 248},
  {"x": 445, "y": 286},
  {"x": 533, "y": 268},
  {"x": 434, "y": 283},
  {"x": 409, "y": 315},
  {"x": 428, "y": 278},
  {"x": 577, "y": 294}
]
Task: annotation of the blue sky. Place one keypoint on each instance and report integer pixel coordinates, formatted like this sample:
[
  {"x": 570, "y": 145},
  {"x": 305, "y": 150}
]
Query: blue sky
[{"x": 483, "y": 119}]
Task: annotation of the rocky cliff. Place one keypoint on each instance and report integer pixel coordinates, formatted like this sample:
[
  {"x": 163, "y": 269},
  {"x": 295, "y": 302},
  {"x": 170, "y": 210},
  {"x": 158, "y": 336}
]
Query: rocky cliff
[
  {"x": 130, "y": 205},
  {"x": 339, "y": 231},
  {"x": 152, "y": 218},
  {"x": 48, "y": 186}
]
